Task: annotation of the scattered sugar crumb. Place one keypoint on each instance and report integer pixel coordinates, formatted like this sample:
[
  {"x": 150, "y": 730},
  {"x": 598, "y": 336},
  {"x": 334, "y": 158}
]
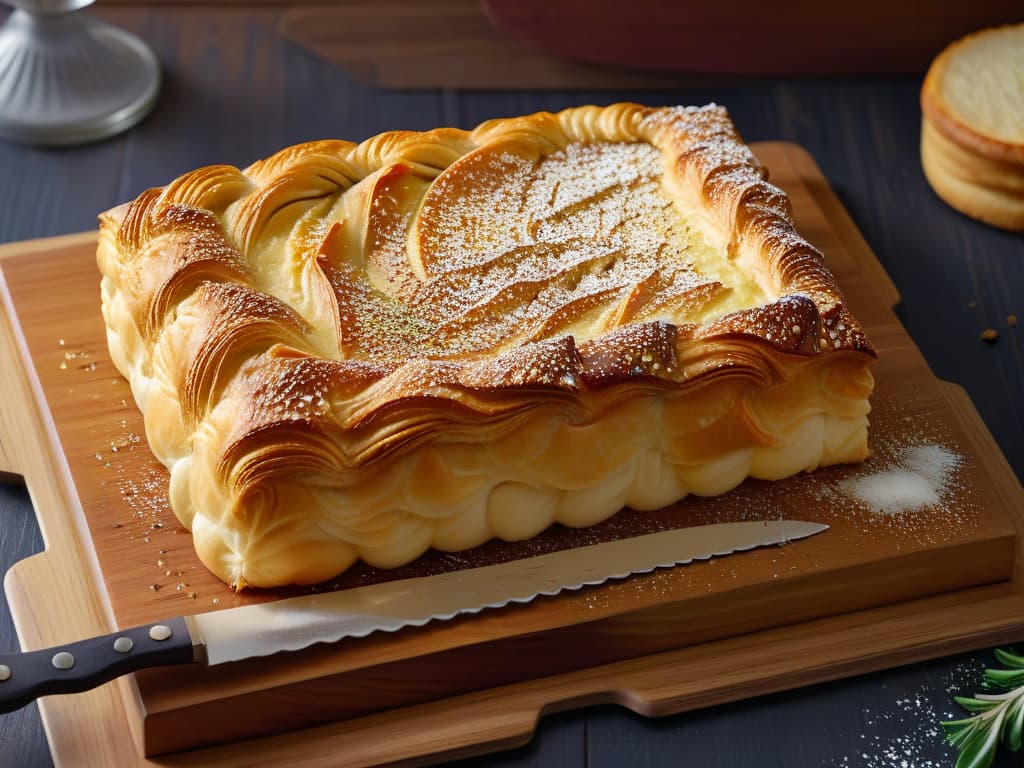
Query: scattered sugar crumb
[
  {"x": 906, "y": 733},
  {"x": 990, "y": 335},
  {"x": 1011, "y": 320}
]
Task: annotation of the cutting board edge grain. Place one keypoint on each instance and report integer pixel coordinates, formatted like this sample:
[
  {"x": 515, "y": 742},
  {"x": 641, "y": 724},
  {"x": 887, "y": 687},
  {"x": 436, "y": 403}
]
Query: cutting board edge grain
[
  {"x": 201, "y": 723},
  {"x": 651, "y": 685}
]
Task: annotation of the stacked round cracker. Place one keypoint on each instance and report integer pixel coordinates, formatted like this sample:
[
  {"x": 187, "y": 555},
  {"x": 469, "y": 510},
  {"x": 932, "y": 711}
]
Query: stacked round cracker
[{"x": 972, "y": 136}]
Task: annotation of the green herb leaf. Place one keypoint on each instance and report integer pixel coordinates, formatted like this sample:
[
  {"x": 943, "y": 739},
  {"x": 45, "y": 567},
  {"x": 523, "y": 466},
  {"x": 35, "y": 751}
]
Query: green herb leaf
[
  {"x": 1009, "y": 659},
  {"x": 997, "y": 717},
  {"x": 959, "y": 731},
  {"x": 1013, "y": 727},
  {"x": 980, "y": 749},
  {"x": 975, "y": 705},
  {"x": 1003, "y": 679}
]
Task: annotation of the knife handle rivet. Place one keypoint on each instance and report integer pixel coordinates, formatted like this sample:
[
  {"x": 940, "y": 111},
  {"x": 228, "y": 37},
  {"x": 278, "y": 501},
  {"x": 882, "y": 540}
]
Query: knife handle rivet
[
  {"x": 5, "y": 673},
  {"x": 63, "y": 660},
  {"x": 123, "y": 644},
  {"x": 160, "y": 632}
]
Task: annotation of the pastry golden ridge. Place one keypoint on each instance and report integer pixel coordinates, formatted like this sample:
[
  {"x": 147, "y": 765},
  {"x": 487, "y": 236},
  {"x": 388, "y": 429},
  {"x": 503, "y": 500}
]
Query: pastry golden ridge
[{"x": 431, "y": 339}]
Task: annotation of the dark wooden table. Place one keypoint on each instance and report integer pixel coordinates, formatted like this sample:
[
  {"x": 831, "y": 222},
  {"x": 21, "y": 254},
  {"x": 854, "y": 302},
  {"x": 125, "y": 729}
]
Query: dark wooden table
[{"x": 236, "y": 92}]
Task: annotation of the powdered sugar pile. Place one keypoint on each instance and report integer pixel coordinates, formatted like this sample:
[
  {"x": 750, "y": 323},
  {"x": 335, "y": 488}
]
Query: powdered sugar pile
[{"x": 920, "y": 480}]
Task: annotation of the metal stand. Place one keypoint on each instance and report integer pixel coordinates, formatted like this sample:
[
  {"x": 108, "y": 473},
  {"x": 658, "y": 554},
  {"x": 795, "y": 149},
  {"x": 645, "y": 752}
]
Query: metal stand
[{"x": 66, "y": 78}]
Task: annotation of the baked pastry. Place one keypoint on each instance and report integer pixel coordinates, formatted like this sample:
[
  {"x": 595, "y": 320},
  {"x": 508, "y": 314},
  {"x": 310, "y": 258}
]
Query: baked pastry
[
  {"x": 972, "y": 133},
  {"x": 432, "y": 339}
]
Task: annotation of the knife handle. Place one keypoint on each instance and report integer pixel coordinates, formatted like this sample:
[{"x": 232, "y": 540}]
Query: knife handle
[{"x": 86, "y": 664}]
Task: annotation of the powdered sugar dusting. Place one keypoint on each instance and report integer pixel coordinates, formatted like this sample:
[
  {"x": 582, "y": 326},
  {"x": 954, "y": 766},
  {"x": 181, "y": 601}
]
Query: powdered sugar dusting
[
  {"x": 921, "y": 480},
  {"x": 510, "y": 248}
]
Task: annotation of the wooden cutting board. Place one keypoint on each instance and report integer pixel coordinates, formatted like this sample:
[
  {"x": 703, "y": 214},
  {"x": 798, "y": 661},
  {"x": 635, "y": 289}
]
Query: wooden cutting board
[{"x": 874, "y": 590}]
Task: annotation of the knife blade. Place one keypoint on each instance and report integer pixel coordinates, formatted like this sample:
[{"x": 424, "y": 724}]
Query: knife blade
[{"x": 291, "y": 624}]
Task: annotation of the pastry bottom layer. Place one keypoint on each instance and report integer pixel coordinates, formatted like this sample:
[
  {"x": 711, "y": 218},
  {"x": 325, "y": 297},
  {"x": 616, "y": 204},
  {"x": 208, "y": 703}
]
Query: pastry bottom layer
[
  {"x": 978, "y": 186},
  {"x": 645, "y": 453}
]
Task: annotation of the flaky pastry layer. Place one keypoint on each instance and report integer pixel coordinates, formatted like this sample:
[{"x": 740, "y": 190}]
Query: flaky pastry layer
[{"x": 432, "y": 339}]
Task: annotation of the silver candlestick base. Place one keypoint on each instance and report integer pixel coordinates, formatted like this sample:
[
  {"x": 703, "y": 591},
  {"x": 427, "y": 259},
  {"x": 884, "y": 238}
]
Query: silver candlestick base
[{"x": 66, "y": 78}]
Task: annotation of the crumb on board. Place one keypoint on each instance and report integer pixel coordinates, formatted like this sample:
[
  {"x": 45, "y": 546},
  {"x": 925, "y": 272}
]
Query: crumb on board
[
  {"x": 972, "y": 304},
  {"x": 990, "y": 335},
  {"x": 1011, "y": 320}
]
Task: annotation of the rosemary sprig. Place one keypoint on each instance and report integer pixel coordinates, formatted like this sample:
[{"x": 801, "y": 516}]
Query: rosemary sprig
[{"x": 996, "y": 716}]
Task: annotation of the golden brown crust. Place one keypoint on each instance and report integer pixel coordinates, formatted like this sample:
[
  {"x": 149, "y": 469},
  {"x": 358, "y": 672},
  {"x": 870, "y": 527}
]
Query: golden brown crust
[{"x": 311, "y": 329}]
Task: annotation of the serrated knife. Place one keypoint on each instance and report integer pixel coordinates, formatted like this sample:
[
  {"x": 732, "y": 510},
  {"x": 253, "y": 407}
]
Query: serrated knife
[{"x": 292, "y": 624}]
